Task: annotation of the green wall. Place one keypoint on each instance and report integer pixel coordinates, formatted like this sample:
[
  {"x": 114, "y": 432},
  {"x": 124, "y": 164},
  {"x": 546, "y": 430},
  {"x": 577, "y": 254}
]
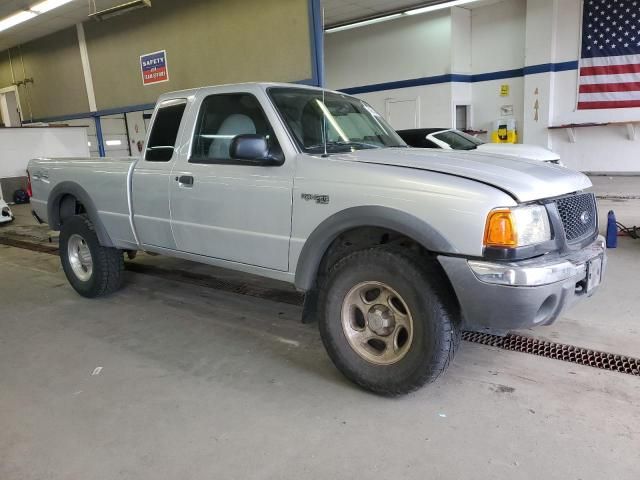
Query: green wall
[
  {"x": 5, "y": 72},
  {"x": 53, "y": 62},
  {"x": 208, "y": 42},
  {"x": 58, "y": 86}
]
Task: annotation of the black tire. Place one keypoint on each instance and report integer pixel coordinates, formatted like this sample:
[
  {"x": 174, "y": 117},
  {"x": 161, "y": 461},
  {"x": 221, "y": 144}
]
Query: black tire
[
  {"x": 425, "y": 291},
  {"x": 108, "y": 263}
]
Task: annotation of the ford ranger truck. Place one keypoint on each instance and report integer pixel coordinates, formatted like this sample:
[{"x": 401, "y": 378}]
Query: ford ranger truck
[{"x": 397, "y": 249}]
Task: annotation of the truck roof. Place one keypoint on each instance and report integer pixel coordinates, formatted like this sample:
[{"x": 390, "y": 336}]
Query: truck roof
[{"x": 233, "y": 87}]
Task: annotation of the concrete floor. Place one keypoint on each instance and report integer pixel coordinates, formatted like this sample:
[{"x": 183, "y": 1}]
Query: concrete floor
[{"x": 199, "y": 383}]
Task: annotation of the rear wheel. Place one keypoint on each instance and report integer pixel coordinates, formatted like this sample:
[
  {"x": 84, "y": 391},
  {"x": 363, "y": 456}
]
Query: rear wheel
[
  {"x": 92, "y": 270},
  {"x": 389, "y": 324}
]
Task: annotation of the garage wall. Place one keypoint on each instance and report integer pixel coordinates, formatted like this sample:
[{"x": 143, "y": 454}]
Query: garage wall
[
  {"x": 410, "y": 48},
  {"x": 415, "y": 47},
  {"x": 54, "y": 64},
  {"x": 498, "y": 45},
  {"x": 5, "y": 71},
  {"x": 433, "y": 59},
  {"x": 207, "y": 42},
  {"x": 530, "y": 45},
  {"x": 553, "y": 35}
]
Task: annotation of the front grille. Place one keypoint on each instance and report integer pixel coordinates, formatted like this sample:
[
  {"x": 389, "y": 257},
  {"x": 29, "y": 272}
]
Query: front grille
[{"x": 579, "y": 216}]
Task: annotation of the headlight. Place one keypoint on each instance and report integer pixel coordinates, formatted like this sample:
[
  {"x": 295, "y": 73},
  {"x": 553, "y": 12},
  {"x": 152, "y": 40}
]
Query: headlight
[{"x": 517, "y": 227}]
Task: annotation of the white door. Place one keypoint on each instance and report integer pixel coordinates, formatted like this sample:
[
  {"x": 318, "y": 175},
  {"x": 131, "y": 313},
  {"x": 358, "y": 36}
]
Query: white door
[
  {"x": 9, "y": 108},
  {"x": 402, "y": 114}
]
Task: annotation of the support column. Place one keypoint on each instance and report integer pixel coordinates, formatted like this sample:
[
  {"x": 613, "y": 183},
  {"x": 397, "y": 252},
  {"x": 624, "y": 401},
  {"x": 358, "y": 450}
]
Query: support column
[{"x": 88, "y": 81}]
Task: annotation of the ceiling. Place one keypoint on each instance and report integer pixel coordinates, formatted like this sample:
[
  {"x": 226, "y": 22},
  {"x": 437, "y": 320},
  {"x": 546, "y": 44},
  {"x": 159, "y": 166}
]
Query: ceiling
[
  {"x": 46, "y": 23},
  {"x": 340, "y": 11},
  {"x": 335, "y": 12}
]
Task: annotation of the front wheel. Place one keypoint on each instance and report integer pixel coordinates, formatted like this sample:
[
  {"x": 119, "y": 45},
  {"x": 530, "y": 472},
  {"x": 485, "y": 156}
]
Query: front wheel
[
  {"x": 389, "y": 323},
  {"x": 92, "y": 270}
]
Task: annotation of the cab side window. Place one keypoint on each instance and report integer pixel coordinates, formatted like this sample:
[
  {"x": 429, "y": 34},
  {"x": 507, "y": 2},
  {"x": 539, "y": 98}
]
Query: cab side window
[
  {"x": 222, "y": 117},
  {"x": 164, "y": 131}
]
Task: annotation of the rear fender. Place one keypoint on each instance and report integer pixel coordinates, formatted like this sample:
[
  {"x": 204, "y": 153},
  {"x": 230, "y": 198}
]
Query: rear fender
[{"x": 58, "y": 209}]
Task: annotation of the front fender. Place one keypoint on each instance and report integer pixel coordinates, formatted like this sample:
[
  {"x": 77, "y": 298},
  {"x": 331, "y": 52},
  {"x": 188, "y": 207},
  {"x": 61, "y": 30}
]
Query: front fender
[{"x": 365, "y": 216}]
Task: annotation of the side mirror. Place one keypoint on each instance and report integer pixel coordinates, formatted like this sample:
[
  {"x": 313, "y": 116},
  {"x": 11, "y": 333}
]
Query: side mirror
[{"x": 254, "y": 149}]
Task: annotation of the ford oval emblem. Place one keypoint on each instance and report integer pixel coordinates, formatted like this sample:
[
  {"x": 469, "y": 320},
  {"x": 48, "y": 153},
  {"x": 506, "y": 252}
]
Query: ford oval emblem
[{"x": 585, "y": 217}]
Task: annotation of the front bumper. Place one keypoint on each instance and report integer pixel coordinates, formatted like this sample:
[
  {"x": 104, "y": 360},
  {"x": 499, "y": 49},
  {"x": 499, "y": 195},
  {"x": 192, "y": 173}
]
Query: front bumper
[{"x": 501, "y": 296}]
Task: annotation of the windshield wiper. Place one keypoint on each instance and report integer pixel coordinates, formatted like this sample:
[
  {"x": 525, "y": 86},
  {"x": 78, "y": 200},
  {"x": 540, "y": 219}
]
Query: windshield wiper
[{"x": 340, "y": 143}]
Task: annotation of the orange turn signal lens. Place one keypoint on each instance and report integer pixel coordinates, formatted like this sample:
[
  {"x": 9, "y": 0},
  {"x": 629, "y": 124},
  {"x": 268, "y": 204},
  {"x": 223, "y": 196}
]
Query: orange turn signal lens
[{"x": 500, "y": 230}]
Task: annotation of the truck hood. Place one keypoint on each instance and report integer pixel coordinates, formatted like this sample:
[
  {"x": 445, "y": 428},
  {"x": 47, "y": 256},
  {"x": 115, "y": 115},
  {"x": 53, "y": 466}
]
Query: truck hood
[
  {"x": 525, "y": 180},
  {"x": 531, "y": 152}
]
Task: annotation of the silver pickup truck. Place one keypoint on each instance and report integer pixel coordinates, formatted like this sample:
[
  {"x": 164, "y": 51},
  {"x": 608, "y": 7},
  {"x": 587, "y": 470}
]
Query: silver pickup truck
[{"x": 397, "y": 249}]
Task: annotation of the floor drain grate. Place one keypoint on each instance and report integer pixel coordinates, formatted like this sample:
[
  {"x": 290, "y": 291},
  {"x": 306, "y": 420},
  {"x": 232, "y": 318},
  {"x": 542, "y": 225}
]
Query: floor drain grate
[{"x": 558, "y": 351}]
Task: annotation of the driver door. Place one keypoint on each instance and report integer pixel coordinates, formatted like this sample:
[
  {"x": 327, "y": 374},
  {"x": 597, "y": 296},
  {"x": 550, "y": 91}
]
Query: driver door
[{"x": 225, "y": 208}]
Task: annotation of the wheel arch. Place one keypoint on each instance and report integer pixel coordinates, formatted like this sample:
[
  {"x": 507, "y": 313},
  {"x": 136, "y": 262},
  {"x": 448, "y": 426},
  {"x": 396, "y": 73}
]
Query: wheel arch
[
  {"x": 60, "y": 206},
  {"x": 321, "y": 239}
]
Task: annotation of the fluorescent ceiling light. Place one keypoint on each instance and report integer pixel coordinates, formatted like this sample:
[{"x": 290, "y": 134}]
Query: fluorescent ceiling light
[
  {"x": 16, "y": 19},
  {"x": 47, "y": 5},
  {"x": 439, "y": 6},
  {"x": 113, "y": 143},
  {"x": 363, "y": 23},
  {"x": 415, "y": 11},
  {"x": 24, "y": 15}
]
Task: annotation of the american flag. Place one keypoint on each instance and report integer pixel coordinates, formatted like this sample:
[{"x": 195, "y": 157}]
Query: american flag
[{"x": 610, "y": 59}]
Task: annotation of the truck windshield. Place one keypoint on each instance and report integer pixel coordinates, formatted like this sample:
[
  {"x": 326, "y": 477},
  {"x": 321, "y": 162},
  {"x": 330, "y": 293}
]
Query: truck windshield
[{"x": 343, "y": 122}]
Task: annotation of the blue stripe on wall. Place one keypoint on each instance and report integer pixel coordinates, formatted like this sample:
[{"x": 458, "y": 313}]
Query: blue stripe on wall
[
  {"x": 319, "y": 78},
  {"x": 453, "y": 77}
]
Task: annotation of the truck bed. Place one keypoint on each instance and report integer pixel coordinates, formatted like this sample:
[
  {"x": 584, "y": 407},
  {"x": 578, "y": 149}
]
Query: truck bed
[{"x": 106, "y": 181}]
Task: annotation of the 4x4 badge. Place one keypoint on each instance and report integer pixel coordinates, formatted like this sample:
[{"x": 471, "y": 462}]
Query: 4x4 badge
[{"x": 321, "y": 199}]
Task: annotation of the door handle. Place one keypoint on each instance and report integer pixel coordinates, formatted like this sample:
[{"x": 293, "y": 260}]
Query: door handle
[{"x": 185, "y": 181}]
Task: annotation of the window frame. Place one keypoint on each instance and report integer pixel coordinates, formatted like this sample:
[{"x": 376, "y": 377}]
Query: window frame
[
  {"x": 191, "y": 159},
  {"x": 173, "y": 102}
]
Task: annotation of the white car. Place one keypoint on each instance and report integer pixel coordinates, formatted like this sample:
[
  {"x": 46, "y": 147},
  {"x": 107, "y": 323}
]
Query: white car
[
  {"x": 452, "y": 139},
  {"x": 5, "y": 212}
]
